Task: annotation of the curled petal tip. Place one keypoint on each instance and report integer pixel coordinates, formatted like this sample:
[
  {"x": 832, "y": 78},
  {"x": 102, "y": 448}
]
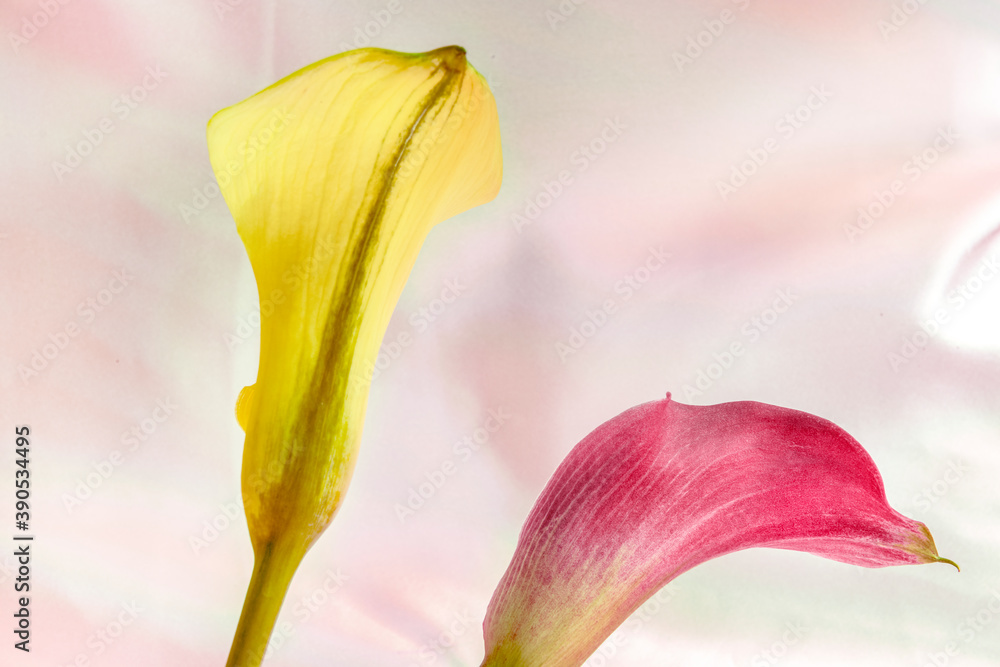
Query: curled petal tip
[
  {"x": 949, "y": 562},
  {"x": 923, "y": 547}
]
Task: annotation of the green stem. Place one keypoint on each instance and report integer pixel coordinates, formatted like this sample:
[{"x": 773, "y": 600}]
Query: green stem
[{"x": 272, "y": 573}]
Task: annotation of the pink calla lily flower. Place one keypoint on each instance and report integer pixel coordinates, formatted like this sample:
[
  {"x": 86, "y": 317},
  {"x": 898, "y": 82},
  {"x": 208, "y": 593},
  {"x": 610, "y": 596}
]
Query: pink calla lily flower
[{"x": 664, "y": 487}]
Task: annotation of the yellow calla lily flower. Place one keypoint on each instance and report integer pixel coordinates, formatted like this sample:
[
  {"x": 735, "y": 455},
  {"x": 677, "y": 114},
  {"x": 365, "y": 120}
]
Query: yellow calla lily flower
[{"x": 334, "y": 176}]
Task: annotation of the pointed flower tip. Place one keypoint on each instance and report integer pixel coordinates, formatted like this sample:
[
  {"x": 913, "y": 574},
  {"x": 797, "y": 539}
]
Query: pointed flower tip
[
  {"x": 923, "y": 547},
  {"x": 665, "y": 486},
  {"x": 949, "y": 562},
  {"x": 452, "y": 57}
]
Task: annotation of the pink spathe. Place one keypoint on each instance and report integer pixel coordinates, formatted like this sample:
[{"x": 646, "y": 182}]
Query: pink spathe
[{"x": 666, "y": 486}]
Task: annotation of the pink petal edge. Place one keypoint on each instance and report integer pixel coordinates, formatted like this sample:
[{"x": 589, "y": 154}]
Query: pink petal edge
[{"x": 665, "y": 486}]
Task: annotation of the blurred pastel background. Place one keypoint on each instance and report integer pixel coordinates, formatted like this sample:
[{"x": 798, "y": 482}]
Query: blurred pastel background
[{"x": 834, "y": 160}]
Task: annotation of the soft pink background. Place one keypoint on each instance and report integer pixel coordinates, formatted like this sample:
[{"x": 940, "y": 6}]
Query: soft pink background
[{"x": 164, "y": 336}]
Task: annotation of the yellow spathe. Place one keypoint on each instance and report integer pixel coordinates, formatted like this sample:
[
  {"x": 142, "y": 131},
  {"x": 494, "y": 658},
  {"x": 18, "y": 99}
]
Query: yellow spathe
[{"x": 334, "y": 176}]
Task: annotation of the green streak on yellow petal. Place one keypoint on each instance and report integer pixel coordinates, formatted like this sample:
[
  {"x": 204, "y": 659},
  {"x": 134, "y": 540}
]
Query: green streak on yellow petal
[{"x": 334, "y": 176}]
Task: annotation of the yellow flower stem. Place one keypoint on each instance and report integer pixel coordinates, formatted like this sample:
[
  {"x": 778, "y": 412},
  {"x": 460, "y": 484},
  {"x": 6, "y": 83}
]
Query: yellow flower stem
[{"x": 274, "y": 566}]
